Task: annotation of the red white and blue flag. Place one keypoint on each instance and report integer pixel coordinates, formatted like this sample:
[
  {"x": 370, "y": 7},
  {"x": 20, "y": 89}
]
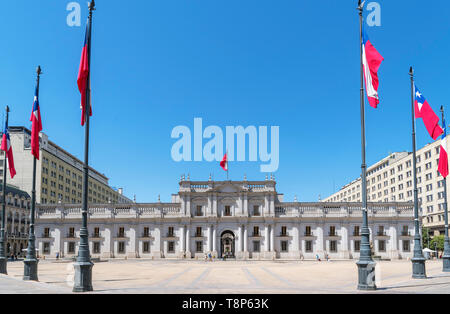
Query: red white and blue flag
[
  {"x": 371, "y": 63},
  {"x": 443, "y": 158},
  {"x": 430, "y": 119},
  {"x": 83, "y": 76},
  {"x": 6, "y": 147},
  {"x": 224, "y": 162},
  {"x": 36, "y": 127}
]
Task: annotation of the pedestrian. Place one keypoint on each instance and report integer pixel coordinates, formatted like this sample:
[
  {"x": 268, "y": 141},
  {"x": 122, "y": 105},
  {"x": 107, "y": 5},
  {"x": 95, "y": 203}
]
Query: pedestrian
[
  {"x": 210, "y": 256},
  {"x": 57, "y": 255}
]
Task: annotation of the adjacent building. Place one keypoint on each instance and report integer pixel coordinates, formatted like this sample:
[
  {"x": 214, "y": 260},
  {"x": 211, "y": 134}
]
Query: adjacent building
[
  {"x": 238, "y": 219},
  {"x": 59, "y": 173},
  {"x": 18, "y": 204},
  {"x": 391, "y": 180}
]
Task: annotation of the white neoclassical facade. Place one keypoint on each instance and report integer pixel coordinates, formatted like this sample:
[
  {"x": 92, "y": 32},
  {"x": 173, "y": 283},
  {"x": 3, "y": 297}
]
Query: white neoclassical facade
[{"x": 241, "y": 219}]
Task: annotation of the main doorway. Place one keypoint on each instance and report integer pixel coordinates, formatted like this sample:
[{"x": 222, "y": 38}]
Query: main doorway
[{"x": 227, "y": 247}]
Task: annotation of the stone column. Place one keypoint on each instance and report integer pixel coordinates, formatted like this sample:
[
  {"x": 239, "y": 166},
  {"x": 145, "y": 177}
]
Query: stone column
[
  {"x": 215, "y": 205},
  {"x": 272, "y": 238},
  {"x": 245, "y": 205},
  {"x": 182, "y": 242},
  {"x": 208, "y": 247},
  {"x": 265, "y": 211},
  {"x": 245, "y": 239},
  {"x": 344, "y": 240},
  {"x": 272, "y": 205},
  {"x": 267, "y": 239},
  {"x": 241, "y": 239},
  {"x": 188, "y": 206},
  {"x": 188, "y": 240},
  {"x": 214, "y": 240}
]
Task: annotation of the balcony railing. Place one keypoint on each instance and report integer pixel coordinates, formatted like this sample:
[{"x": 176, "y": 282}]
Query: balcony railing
[
  {"x": 332, "y": 234},
  {"x": 309, "y": 234},
  {"x": 381, "y": 233},
  {"x": 406, "y": 233}
]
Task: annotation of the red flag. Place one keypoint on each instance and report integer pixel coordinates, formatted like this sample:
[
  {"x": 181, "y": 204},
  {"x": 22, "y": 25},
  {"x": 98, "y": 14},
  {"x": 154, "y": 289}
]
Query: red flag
[
  {"x": 430, "y": 119},
  {"x": 224, "y": 163},
  {"x": 83, "y": 75},
  {"x": 36, "y": 125},
  {"x": 443, "y": 156},
  {"x": 6, "y": 147}
]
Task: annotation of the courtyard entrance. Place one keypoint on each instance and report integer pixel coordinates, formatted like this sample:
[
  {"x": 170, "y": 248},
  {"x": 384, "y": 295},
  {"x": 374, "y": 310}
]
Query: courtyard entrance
[{"x": 227, "y": 247}]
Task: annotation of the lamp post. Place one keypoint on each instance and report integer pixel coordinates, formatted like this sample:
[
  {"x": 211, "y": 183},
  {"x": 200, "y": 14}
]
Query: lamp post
[
  {"x": 446, "y": 254},
  {"x": 3, "y": 258},
  {"x": 418, "y": 260},
  {"x": 83, "y": 265},
  {"x": 30, "y": 271},
  {"x": 366, "y": 265}
]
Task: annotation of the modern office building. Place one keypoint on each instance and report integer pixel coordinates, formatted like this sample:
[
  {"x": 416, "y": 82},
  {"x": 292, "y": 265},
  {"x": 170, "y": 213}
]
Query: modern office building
[
  {"x": 59, "y": 173},
  {"x": 239, "y": 219},
  {"x": 391, "y": 180}
]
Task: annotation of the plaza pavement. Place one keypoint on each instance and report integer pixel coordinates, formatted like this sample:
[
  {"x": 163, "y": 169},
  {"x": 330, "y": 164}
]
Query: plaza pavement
[{"x": 231, "y": 277}]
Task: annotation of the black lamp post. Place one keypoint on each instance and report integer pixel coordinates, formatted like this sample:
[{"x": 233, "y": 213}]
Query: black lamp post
[{"x": 446, "y": 254}]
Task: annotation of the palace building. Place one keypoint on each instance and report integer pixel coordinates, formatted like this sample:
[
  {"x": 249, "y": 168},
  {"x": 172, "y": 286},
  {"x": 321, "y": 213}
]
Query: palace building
[{"x": 239, "y": 219}]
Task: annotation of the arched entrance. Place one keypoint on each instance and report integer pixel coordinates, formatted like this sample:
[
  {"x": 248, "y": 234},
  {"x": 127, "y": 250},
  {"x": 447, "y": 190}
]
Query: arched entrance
[{"x": 227, "y": 244}]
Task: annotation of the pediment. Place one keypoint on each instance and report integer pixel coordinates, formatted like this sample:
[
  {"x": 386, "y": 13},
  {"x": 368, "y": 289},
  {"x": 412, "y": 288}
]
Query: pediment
[{"x": 228, "y": 188}]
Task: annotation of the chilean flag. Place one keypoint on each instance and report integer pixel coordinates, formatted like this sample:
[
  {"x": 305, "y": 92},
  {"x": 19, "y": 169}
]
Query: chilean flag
[
  {"x": 443, "y": 158},
  {"x": 371, "y": 63},
  {"x": 430, "y": 119},
  {"x": 36, "y": 125},
  {"x": 83, "y": 75},
  {"x": 6, "y": 147},
  {"x": 224, "y": 162}
]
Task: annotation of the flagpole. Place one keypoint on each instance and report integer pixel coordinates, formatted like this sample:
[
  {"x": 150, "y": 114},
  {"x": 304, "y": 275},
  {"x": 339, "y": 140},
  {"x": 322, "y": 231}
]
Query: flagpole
[
  {"x": 366, "y": 266},
  {"x": 83, "y": 265},
  {"x": 3, "y": 258},
  {"x": 418, "y": 260},
  {"x": 30, "y": 271},
  {"x": 446, "y": 255},
  {"x": 228, "y": 167}
]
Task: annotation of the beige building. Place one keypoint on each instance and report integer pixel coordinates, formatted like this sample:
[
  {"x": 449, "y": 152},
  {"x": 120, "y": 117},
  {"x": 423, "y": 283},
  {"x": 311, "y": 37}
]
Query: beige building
[
  {"x": 59, "y": 173},
  {"x": 391, "y": 180}
]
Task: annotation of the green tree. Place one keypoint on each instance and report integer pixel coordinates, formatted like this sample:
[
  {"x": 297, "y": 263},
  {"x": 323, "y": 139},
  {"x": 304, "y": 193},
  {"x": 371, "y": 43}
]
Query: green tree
[
  {"x": 426, "y": 239},
  {"x": 438, "y": 241}
]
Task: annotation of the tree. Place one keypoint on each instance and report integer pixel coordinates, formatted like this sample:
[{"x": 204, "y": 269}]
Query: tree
[
  {"x": 438, "y": 241},
  {"x": 426, "y": 239}
]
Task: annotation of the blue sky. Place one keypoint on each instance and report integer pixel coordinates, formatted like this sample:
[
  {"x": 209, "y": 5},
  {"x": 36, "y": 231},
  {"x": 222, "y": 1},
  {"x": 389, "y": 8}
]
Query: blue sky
[{"x": 160, "y": 64}]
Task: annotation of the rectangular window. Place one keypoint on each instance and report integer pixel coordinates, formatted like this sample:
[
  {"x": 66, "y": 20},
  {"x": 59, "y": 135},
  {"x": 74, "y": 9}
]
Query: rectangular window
[
  {"x": 332, "y": 231},
  {"x": 255, "y": 231},
  {"x": 256, "y": 246},
  {"x": 381, "y": 246},
  {"x": 146, "y": 232},
  {"x": 121, "y": 247},
  {"x": 199, "y": 211},
  {"x": 96, "y": 249},
  {"x": 199, "y": 246},
  {"x": 406, "y": 246},
  {"x": 46, "y": 248},
  {"x": 333, "y": 246},
  {"x": 308, "y": 246},
  {"x": 170, "y": 232},
  {"x": 357, "y": 246},
  {"x": 146, "y": 248},
  {"x": 256, "y": 211},
  {"x": 171, "y": 247},
  {"x": 71, "y": 248},
  {"x": 308, "y": 232},
  {"x": 356, "y": 231},
  {"x": 283, "y": 231},
  {"x": 284, "y": 246},
  {"x": 121, "y": 232},
  {"x": 227, "y": 210},
  {"x": 198, "y": 232}
]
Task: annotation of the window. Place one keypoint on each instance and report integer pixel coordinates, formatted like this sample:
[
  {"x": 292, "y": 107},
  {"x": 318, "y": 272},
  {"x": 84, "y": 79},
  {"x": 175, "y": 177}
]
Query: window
[
  {"x": 333, "y": 246},
  {"x": 357, "y": 246},
  {"x": 199, "y": 211},
  {"x": 256, "y": 211},
  {"x": 46, "y": 233},
  {"x": 284, "y": 231},
  {"x": 121, "y": 232},
  {"x": 71, "y": 248},
  {"x": 71, "y": 233},
  {"x": 170, "y": 232},
  {"x": 256, "y": 246},
  {"x": 381, "y": 231},
  {"x": 199, "y": 246},
  {"x": 171, "y": 247},
  {"x": 308, "y": 231},
  {"x": 96, "y": 249},
  {"x": 284, "y": 246},
  {"x": 46, "y": 248},
  {"x": 308, "y": 246},
  {"x": 146, "y": 247},
  {"x": 405, "y": 231},
  {"x": 356, "y": 231},
  {"x": 381, "y": 246},
  {"x": 198, "y": 232},
  {"x": 255, "y": 231},
  {"x": 146, "y": 232},
  {"x": 332, "y": 231},
  {"x": 406, "y": 246},
  {"x": 121, "y": 247},
  {"x": 96, "y": 232},
  {"x": 227, "y": 210}
]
